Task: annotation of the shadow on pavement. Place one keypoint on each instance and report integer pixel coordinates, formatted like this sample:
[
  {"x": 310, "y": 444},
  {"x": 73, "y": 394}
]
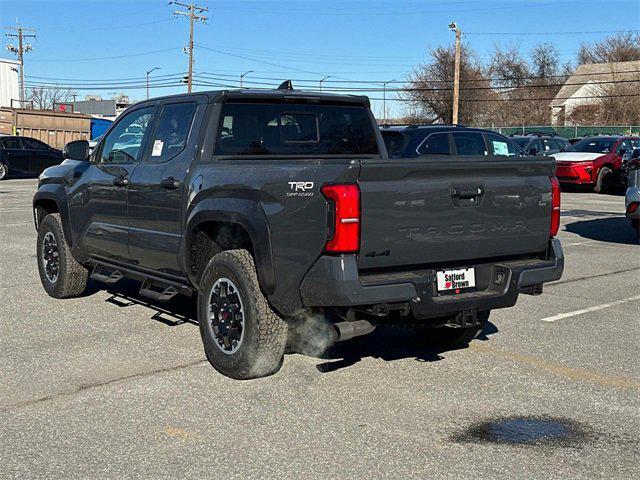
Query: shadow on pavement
[
  {"x": 390, "y": 343},
  {"x": 610, "y": 230}
]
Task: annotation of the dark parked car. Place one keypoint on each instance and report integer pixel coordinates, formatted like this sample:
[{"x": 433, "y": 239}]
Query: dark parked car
[
  {"x": 425, "y": 140},
  {"x": 24, "y": 156},
  {"x": 274, "y": 207},
  {"x": 541, "y": 143}
]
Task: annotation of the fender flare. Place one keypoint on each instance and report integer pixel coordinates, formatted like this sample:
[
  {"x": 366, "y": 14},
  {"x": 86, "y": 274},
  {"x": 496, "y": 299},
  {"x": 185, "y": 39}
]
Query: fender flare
[
  {"x": 246, "y": 213},
  {"x": 57, "y": 194}
]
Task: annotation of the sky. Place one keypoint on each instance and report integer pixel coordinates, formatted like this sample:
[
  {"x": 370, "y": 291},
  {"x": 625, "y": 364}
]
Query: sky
[{"x": 106, "y": 47}]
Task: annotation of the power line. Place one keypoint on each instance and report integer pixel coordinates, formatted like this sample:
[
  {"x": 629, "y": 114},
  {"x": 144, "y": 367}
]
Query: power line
[
  {"x": 586, "y": 32},
  {"x": 93, "y": 59}
]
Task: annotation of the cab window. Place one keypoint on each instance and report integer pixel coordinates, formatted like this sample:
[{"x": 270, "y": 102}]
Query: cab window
[
  {"x": 173, "y": 130},
  {"x": 123, "y": 143}
]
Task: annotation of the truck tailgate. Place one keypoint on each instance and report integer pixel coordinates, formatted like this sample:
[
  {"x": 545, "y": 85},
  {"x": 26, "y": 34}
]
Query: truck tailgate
[{"x": 441, "y": 210}]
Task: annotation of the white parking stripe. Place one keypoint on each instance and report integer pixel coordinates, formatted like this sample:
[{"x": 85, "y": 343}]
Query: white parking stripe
[{"x": 590, "y": 309}]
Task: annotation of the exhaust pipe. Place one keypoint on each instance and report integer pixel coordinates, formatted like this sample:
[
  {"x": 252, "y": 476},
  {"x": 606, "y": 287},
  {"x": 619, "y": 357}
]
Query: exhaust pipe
[{"x": 346, "y": 330}]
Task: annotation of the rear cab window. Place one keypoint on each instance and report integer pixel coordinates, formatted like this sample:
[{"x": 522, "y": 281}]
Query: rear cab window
[{"x": 261, "y": 129}]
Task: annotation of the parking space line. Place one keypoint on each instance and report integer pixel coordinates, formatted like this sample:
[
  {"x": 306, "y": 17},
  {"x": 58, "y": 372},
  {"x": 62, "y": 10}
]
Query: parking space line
[
  {"x": 559, "y": 369},
  {"x": 590, "y": 309},
  {"x": 13, "y": 224}
]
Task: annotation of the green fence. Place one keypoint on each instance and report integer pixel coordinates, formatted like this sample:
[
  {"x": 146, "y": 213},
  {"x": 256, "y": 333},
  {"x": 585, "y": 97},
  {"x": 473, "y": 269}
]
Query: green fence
[{"x": 570, "y": 132}]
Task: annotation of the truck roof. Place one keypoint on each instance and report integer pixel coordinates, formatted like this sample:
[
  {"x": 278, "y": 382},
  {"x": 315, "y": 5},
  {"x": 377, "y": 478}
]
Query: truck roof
[{"x": 265, "y": 95}]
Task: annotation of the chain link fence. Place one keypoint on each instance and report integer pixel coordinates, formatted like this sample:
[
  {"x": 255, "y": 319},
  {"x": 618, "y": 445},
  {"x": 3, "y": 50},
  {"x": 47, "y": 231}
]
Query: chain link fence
[{"x": 571, "y": 131}]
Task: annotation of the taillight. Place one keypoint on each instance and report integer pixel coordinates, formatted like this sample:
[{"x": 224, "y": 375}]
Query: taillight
[
  {"x": 555, "y": 207},
  {"x": 344, "y": 231},
  {"x": 633, "y": 206}
]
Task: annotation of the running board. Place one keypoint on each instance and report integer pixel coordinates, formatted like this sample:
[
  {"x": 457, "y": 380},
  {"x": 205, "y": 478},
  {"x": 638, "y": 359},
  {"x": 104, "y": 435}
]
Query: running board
[
  {"x": 157, "y": 292},
  {"x": 101, "y": 274}
]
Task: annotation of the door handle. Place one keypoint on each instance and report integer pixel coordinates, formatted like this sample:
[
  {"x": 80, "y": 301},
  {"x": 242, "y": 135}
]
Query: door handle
[
  {"x": 121, "y": 181},
  {"x": 466, "y": 193},
  {"x": 169, "y": 183}
]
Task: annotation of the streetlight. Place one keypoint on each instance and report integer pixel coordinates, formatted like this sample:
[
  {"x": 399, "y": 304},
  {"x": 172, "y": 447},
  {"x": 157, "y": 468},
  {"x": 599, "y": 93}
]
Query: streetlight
[
  {"x": 328, "y": 76},
  {"x": 384, "y": 99},
  {"x": 242, "y": 76},
  {"x": 148, "y": 72}
]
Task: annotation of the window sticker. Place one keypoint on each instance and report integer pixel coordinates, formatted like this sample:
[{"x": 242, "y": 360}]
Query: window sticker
[
  {"x": 500, "y": 148},
  {"x": 157, "y": 148}
]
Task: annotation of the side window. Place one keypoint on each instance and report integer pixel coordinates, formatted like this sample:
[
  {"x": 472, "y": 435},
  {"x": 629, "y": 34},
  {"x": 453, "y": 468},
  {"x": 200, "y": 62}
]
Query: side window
[
  {"x": 12, "y": 143},
  {"x": 33, "y": 144},
  {"x": 435, "y": 144},
  {"x": 122, "y": 144},
  {"x": 173, "y": 130},
  {"x": 469, "y": 143},
  {"x": 502, "y": 146},
  {"x": 624, "y": 145}
]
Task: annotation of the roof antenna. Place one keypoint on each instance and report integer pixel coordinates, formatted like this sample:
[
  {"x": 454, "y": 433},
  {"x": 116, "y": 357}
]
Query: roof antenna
[{"x": 286, "y": 85}]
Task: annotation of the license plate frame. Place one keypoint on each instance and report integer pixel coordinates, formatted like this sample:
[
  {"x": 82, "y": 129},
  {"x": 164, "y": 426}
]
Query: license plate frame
[{"x": 453, "y": 281}]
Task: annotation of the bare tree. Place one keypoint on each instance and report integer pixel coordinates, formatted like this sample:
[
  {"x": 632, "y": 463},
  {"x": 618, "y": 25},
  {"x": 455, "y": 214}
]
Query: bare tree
[
  {"x": 44, "y": 98},
  {"x": 623, "y": 47},
  {"x": 431, "y": 95}
]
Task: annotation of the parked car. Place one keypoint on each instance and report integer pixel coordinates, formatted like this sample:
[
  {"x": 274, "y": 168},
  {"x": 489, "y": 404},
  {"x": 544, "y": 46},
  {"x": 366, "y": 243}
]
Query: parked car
[
  {"x": 595, "y": 162},
  {"x": 541, "y": 143},
  {"x": 273, "y": 206},
  {"x": 421, "y": 140},
  {"x": 24, "y": 156},
  {"x": 632, "y": 197}
]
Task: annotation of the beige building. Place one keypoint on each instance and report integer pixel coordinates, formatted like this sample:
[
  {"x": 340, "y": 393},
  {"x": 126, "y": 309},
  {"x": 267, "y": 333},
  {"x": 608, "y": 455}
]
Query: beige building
[{"x": 587, "y": 84}]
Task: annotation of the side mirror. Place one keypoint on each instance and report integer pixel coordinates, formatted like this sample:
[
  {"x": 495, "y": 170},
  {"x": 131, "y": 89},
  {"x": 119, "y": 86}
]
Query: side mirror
[
  {"x": 622, "y": 151},
  {"x": 534, "y": 151},
  {"x": 77, "y": 150}
]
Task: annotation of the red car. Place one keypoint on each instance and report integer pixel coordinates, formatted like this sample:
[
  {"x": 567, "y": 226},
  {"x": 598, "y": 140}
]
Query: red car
[{"x": 594, "y": 161}]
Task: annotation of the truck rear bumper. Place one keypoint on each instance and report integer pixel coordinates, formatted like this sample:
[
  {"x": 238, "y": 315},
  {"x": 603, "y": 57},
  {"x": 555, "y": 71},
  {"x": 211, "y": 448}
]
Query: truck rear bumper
[{"x": 335, "y": 281}]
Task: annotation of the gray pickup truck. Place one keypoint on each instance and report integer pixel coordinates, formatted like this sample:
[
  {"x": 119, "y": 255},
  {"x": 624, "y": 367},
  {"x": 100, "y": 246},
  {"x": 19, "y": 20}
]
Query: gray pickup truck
[{"x": 270, "y": 205}]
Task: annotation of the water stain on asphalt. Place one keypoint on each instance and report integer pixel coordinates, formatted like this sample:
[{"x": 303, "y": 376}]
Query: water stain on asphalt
[{"x": 527, "y": 430}]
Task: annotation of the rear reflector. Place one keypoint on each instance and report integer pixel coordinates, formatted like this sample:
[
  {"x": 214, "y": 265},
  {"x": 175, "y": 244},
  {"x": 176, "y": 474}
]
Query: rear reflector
[
  {"x": 344, "y": 233},
  {"x": 633, "y": 206},
  {"x": 555, "y": 207}
]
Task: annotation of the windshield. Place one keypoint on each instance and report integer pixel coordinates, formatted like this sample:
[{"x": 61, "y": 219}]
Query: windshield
[{"x": 593, "y": 145}]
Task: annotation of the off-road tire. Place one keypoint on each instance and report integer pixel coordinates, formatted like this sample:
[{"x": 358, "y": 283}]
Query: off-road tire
[
  {"x": 456, "y": 337},
  {"x": 261, "y": 351},
  {"x": 72, "y": 276},
  {"x": 604, "y": 184},
  {"x": 4, "y": 171}
]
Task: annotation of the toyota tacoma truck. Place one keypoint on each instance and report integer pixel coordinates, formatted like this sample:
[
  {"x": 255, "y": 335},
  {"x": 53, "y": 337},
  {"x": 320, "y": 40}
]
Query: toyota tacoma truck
[{"x": 270, "y": 206}]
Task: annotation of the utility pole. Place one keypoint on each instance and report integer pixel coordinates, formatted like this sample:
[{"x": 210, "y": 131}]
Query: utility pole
[
  {"x": 194, "y": 12},
  {"x": 242, "y": 76},
  {"x": 384, "y": 99},
  {"x": 20, "y": 33},
  {"x": 328, "y": 76},
  {"x": 456, "y": 75},
  {"x": 148, "y": 72}
]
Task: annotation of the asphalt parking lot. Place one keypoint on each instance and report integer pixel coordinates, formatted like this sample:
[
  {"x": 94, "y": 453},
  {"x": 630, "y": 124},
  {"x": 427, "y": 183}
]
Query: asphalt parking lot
[{"x": 107, "y": 386}]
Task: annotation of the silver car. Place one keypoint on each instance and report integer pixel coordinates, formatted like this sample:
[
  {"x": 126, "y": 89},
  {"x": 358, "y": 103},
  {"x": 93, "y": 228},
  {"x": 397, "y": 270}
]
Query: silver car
[{"x": 631, "y": 167}]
